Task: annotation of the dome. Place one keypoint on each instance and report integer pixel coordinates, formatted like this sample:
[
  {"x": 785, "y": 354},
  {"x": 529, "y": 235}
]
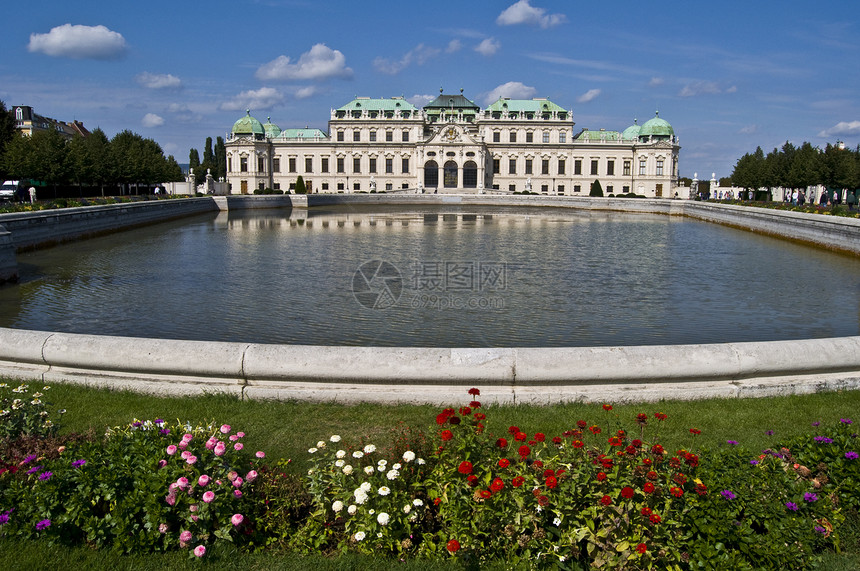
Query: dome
[
  {"x": 271, "y": 129},
  {"x": 656, "y": 128},
  {"x": 631, "y": 133},
  {"x": 248, "y": 125}
]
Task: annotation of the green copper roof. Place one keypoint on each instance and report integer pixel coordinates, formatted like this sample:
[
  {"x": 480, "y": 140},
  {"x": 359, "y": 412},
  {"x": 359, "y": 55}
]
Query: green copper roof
[
  {"x": 537, "y": 105},
  {"x": 248, "y": 125},
  {"x": 271, "y": 129},
  {"x": 601, "y": 135},
  {"x": 631, "y": 133},
  {"x": 457, "y": 102},
  {"x": 302, "y": 134},
  {"x": 368, "y": 104},
  {"x": 656, "y": 127}
]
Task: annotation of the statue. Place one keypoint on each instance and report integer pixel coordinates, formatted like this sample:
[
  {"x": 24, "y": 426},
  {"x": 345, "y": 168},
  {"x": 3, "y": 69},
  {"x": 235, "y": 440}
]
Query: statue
[{"x": 372, "y": 184}]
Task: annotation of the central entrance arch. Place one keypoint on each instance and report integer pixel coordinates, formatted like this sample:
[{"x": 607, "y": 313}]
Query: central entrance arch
[
  {"x": 451, "y": 175},
  {"x": 431, "y": 174},
  {"x": 470, "y": 174}
]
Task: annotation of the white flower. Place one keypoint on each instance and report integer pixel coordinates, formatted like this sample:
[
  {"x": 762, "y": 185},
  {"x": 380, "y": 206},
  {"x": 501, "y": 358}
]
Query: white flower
[
  {"x": 321, "y": 444},
  {"x": 5, "y": 412},
  {"x": 359, "y": 536},
  {"x": 311, "y": 450},
  {"x": 341, "y": 454},
  {"x": 379, "y": 535},
  {"x": 408, "y": 456},
  {"x": 397, "y": 466},
  {"x": 360, "y": 496},
  {"x": 366, "y": 486},
  {"x": 352, "y": 509},
  {"x": 335, "y": 438},
  {"x": 368, "y": 470},
  {"x": 382, "y": 518},
  {"x": 407, "y": 508},
  {"x": 538, "y": 509},
  {"x": 392, "y": 474},
  {"x": 369, "y": 448},
  {"x": 417, "y": 503},
  {"x": 357, "y": 454},
  {"x": 35, "y": 401},
  {"x": 347, "y": 469},
  {"x": 383, "y": 462},
  {"x": 39, "y": 395},
  {"x": 381, "y": 468},
  {"x": 413, "y": 517},
  {"x": 337, "y": 506},
  {"x": 339, "y": 463},
  {"x": 556, "y": 522},
  {"x": 384, "y": 491},
  {"x": 421, "y": 461}
]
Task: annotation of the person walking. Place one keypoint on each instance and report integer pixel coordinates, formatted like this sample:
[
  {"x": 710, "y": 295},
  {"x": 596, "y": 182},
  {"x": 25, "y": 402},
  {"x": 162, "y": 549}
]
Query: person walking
[
  {"x": 850, "y": 199},
  {"x": 32, "y": 194}
]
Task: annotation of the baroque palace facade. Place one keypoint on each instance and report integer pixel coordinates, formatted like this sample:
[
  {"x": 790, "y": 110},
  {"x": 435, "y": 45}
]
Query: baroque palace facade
[{"x": 451, "y": 145}]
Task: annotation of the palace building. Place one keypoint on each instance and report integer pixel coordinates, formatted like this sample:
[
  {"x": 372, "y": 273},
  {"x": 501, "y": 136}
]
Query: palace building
[{"x": 452, "y": 145}]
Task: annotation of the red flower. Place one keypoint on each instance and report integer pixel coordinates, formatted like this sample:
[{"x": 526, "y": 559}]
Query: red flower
[
  {"x": 537, "y": 464},
  {"x": 447, "y": 435},
  {"x": 536, "y": 492},
  {"x": 677, "y": 492},
  {"x": 607, "y": 407},
  {"x": 578, "y": 444},
  {"x": 674, "y": 462},
  {"x": 454, "y": 546},
  {"x": 465, "y": 411},
  {"x": 474, "y": 392},
  {"x": 641, "y": 418},
  {"x": 659, "y": 416},
  {"x": 455, "y": 420},
  {"x": 595, "y": 429},
  {"x": 518, "y": 481},
  {"x": 581, "y": 423},
  {"x": 606, "y": 500},
  {"x": 627, "y": 492},
  {"x": 648, "y": 488},
  {"x": 441, "y": 418},
  {"x": 601, "y": 476},
  {"x": 472, "y": 479},
  {"x": 641, "y": 548},
  {"x": 475, "y": 404},
  {"x": 521, "y": 436},
  {"x": 486, "y": 494},
  {"x": 657, "y": 449},
  {"x": 652, "y": 475},
  {"x": 695, "y": 431},
  {"x": 480, "y": 416},
  {"x": 646, "y": 511},
  {"x": 497, "y": 485},
  {"x": 701, "y": 489},
  {"x": 631, "y": 450},
  {"x": 513, "y": 430},
  {"x": 524, "y": 451},
  {"x": 501, "y": 442},
  {"x": 437, "y": 501},
  {"x": 504, "y": 463},
  {"x": 637, "y": 443},
  {"x": 540, "y": 436},
  {"x": 465, "y": 467},
  {"x": 543, "y": 500},
  {"x": 551, "y": 482},
  {"x": 680, "y": 479},
  {"x": 691, "y": 459},
  {"x": 556, "y": 440},
  {"x": 615, "y": 441},
  {"x": 548, "y": 472},
  {"x": 655, "y": 519}
]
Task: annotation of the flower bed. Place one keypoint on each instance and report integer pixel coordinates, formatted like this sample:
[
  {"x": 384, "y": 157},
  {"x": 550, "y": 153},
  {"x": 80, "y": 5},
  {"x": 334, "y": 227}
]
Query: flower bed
[{"x": 604, "y": 493}]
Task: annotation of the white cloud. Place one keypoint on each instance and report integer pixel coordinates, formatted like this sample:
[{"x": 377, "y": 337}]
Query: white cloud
[
  {"x": 842, "y": 129},
  {"x": 79, "y": 42},
  {"x": 420, "y": 100},
  {"x": 512, "y": 89},
  {"x": 305, "y": 92},
  {"x": 158, "y": 80},
  {"x": 321, "y": 62},
  {"x": 703, "y": 88},
  {"x": 263, "y": 98},
  {"x": 655, "y": 82},
  {"x": 152, "y": 120},
  {"x": 454, "y": 46},
  {"x": 748, "y": 130},
  {"x": 488, "y": 47},
  {"x": 419, "y": 55},
  {"x": 589, "y": 95},
  {"x": 523, "y": 13}
]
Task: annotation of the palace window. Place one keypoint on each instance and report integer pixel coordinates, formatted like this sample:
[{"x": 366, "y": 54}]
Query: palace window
[
  {"x": 528, "y": 166},
  {"x": 562, "y": 137},
  {"x": 626, "y": 168},
  {"x": 356, "y": 135},
  {"x": 529, "y": 137},
  {"x": 660, "y": 167},
  {"x": 610, "y": 168},
  {"x": 243, "y": 164},
  {"x": 546, "y": 137},
  {"x": 577, "y": 188},
  {"x": 356, "y": 186},
  {"x": 593, "y": 167},
  {"x": 276, "y": 165},
  {"x": 496, "y": 136},
  {"x": 389, "y": 136},
  {"x": 544, "y": 188},
  {"x": 389, "y": 186},
  {"x": 561, "y": 166},
  {"x": 405, "y": 137},
  {"x": 372, "y": 165},
  {"x": 512, "y": 166},
  {"x": 261, "y": 164},
  {"x": 340, "y": 186},
  {"x": 577, "y": 166},
  {"x": 496, "y": 166},
  {"x": 513, "y": 136},
  {"x": 373, "y": 136},
  {"x": 609, "y": 189},
  {"x": 340, "y": 167},
  {"x": 560, "y": 189},
  {"x": 544, "y": 166},
  {"x": 389, "y": 166},
  {"x": 340, "y": 136},
  {"x": 642, "y": 164},
  {"x": 356, "y": 165},
  {"x": 229, "y": 164},
  {"x": 292, "y": 164},
  {"x": 309, "y": 164},
  {"x": 324, "y": 164},
  {"x": 404, "y": 166}
]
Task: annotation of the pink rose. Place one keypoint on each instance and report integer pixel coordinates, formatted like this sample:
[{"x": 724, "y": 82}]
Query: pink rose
[
  {"x": 220, "y": 449},
  {"x": 182, "y": 482},
  {"x": 238, "y": 446},
  {"x": 234, "y": 437},
  {"x": 208, "y": 497},
  {"x": 203, "y": 480},
  {"x": 187, "y": 438},
  {"x": 210, "y": 444},
  {"x": 162, "y": 463},
  {"x": 194, "y": 517},
  {"x": 225, "y": 428},
  {"x": 185, "y": 536},
  {"x": 240, "y": 434},
  {"x": 260, "y": 454},
  {"x": 238, "y": 482},
  {"x": 251, "y": 476},
  {"x": 237, "y": 493},
  {"x": 183, "y": 445},
  {"x": 170, "y": 499},
  {"x": 185, "y": 454},
  {"x": 162, "y": 528},
  {"x": 199, "y": 551},
  {"x": 232, "y": 475},
  {"x": 171, "y": 450},
  {"x": 237, "y": 519},
  {"x": 193, "y": 507},
  {"x": 191, "y": 459}
]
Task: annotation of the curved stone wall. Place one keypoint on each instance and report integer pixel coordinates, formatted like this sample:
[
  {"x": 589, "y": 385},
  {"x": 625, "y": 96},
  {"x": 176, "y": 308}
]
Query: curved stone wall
[{"x": 439, "y": 375}]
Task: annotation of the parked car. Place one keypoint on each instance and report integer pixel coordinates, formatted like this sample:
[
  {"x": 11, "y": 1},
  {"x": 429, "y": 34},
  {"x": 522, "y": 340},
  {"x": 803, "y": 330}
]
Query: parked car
[{"x": 9, "y": 189}]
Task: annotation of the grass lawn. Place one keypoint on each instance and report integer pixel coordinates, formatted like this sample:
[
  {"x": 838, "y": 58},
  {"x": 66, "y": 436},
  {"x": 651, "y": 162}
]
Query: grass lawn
[{"x": 288, "y": 429}]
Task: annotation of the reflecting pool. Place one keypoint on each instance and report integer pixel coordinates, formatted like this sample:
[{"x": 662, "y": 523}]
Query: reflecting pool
[{"x": 438, "y": 276}]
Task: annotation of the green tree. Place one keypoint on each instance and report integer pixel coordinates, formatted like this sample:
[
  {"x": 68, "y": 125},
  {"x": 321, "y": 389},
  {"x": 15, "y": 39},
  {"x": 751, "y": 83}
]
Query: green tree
[
  {"x": 194, "y": 164},
  {"x": 172, "y": 170},
  {"x": 220, "y": 159},
  {"x": 7, "y": 133},
  {"x": 596, "y": 189},
  {"x": 48, "y": 160},
  {"x": 300, "y": 186}
]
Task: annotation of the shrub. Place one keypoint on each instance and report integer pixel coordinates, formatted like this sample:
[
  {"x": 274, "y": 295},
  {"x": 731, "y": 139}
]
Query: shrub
[
  {"x": 23, "y": 413},
  {"x": 596, "y": 189}
]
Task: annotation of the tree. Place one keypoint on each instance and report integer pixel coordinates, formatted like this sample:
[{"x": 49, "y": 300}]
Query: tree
[
  {"x": 194, "y": 164},
  {"x": 220, "y": 159},
  {"x": 7, "y": 132},
  {"x": 300, "y": 186},
  {"x": 49, "y": 158},
  {"x": 596, "y": 189}
]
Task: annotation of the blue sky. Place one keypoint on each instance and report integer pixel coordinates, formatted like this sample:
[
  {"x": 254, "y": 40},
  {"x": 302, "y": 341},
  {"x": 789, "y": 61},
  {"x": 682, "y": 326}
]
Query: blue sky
[{"x": 728, "y": 76}]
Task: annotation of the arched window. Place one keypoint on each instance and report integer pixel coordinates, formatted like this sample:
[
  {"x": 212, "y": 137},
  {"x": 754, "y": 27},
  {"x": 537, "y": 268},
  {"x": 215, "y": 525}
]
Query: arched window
[
  {"x": 431, "y": 174},
  {"x": 470, "y": 174},
  {"x": 450, "y": 174},
  {"x": 19, "y": 114}
]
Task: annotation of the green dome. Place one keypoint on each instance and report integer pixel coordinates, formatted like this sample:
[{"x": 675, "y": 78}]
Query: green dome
[
  {"x": 631, "y": 133},
  {"x": 656, "y": 128},
  {"x": 248, "y": 125},
  {"x": 271, "y": 129}
]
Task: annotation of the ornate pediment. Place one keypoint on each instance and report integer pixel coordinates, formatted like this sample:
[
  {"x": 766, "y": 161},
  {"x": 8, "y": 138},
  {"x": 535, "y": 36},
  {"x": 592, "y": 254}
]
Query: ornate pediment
[{"x": 452, "y": 134}]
